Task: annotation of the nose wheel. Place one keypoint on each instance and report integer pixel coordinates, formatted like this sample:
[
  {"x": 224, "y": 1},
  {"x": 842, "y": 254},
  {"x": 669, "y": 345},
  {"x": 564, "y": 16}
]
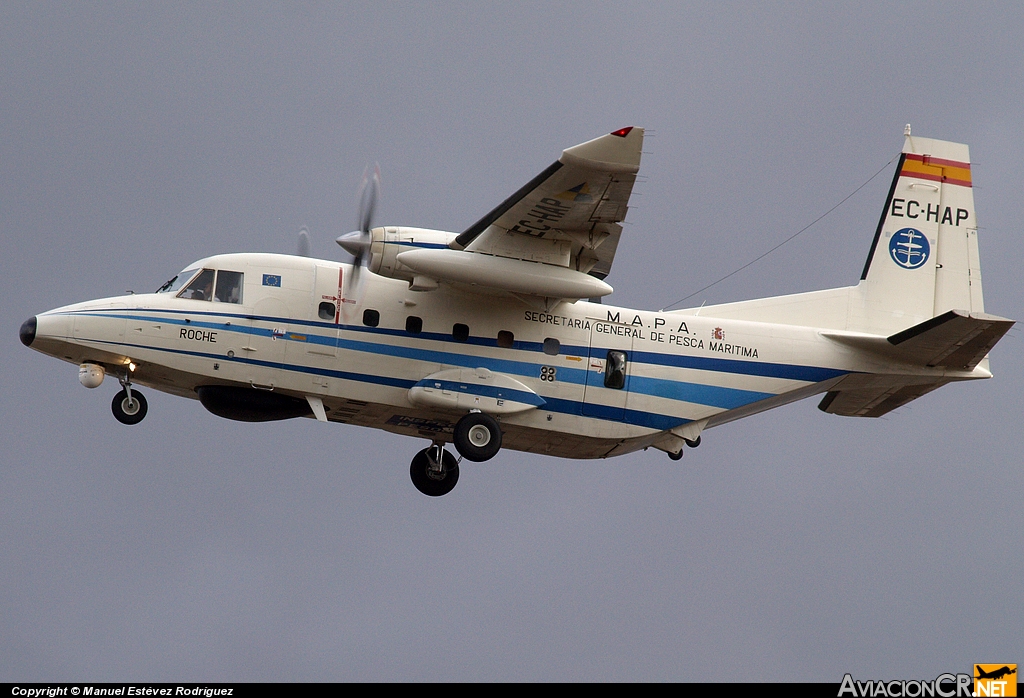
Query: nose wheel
[
  {"x": 129, "y": 408},
  {"x": 434, "y": 471}
]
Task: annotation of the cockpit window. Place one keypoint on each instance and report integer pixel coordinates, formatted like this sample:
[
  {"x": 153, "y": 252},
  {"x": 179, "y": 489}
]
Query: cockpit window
[
  {"x": 201, "y": 288},
  {"x": 229, "y": 287},
  {"x": 177, "y": 282}
]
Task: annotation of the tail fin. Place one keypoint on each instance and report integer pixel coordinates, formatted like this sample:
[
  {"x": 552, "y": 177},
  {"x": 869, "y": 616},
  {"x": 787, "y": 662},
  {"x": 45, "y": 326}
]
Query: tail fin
[{"x": 924, "y": 258}]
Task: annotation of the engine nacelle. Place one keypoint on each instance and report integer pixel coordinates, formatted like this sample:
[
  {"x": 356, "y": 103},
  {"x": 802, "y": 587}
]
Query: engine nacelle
[
  {"x": 91, "y": 375},
  {"x": 387, "y": 243}
]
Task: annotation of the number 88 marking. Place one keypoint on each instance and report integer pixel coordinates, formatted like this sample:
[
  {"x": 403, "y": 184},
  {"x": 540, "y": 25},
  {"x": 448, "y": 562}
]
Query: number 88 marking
[{"x": 547, "y": 373}]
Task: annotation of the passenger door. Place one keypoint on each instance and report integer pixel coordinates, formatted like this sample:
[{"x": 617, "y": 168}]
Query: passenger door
[{"x": 608, "y": 364}]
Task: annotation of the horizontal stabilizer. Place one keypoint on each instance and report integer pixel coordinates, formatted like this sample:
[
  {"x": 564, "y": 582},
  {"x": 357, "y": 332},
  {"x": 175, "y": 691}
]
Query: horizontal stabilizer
[
  {"x": 872, "y": 402},
  {"x": 956, "y": 339}
]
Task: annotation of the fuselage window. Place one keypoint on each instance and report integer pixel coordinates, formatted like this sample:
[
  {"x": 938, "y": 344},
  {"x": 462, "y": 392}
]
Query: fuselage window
[
  {"x": 201, "y": 288},
  {"x": 615, "y": 370},
  {"x": 413, "y": 324},
  {"x": 229, "y": 287},
  {"x": 552, "y": 346},
  {"x": 326, "y": 311},
  {"x": 371, "y": 318},
  {"x": 506, "y": 339},
  {"x": 460, "y": 332}
]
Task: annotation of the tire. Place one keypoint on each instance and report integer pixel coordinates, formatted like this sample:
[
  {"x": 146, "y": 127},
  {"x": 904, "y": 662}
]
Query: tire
[
  {"x": 129, "y": 413},
  {"x": 694, "y": 443},
  {"x": 677, "y": 455},
  {"x": 477, "y": 437},
  {"x": 425, "y": 482}
]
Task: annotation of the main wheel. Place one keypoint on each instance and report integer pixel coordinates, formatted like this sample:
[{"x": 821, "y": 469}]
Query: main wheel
[
  {"x": 129, "y": 411},
  {"x": 429, "y": 482},
  {"x": 693, "y": 443},
  {"x": 477, "y": 437}
]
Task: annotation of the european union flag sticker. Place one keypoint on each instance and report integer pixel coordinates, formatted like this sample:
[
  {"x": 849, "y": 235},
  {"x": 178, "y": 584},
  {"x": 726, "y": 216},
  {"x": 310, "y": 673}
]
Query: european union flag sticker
[{"x": 272, "y": 280}]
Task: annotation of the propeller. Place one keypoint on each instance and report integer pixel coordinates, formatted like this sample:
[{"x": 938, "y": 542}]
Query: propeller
[
  {"x": 304, "y": 248},
  {"x": 357, "y": 243}
]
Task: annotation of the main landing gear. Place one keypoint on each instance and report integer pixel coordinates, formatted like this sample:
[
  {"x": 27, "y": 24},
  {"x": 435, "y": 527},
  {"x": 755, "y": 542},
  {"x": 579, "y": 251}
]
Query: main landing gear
[
  {"x": 129, "y": 406},
  {"x": 435, "y": 471},
  {"x": 477, "y": 437},
  {"x": 694, "y": 443}
]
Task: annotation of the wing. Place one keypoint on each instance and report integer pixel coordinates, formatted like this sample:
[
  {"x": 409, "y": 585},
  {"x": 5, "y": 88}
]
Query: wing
[{"x": 569, "y": 215}]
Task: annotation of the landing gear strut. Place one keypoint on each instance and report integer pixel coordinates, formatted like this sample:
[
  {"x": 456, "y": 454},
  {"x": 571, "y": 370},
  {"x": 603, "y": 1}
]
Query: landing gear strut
[
  {"x": 434, "y": 471},
  {"x": 129, "y": 406}
]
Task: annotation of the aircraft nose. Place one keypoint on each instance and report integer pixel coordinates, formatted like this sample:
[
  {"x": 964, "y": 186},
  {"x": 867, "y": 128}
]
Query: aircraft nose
[{"x": 28, "y": 331}]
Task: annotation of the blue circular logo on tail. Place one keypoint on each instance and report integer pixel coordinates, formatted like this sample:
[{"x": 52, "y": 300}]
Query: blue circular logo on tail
[{"x": 909, "y": 248}]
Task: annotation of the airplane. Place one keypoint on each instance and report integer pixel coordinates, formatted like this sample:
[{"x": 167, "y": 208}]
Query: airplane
[
  {"x": 495, "y": 337},
  {"x": 995, "y": 674}
]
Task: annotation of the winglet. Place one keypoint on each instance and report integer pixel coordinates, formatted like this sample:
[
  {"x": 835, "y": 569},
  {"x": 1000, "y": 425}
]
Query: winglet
[{"x": 618, "y": 151}]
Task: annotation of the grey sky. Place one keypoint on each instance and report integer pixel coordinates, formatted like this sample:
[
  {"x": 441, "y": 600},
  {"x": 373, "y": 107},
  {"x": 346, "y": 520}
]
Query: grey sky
[{"x": 792, "y": 546}]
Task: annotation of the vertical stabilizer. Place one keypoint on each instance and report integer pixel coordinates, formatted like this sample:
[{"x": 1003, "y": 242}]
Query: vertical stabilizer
[{"x": 924, "y": 257}]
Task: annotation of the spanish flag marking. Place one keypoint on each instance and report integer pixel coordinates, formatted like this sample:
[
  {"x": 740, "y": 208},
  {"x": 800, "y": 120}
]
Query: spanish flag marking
[{"x": 936, "y": 169}]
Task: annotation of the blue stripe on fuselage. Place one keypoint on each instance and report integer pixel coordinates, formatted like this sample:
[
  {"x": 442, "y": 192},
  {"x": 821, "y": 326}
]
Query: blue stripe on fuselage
[
  {"x": 698, "y": 393},
  {"x": 652, "y": 420}
]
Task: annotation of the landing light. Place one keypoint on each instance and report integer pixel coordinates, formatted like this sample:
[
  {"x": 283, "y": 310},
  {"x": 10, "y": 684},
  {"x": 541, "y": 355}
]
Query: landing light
[{"x": 131, "y": 367}]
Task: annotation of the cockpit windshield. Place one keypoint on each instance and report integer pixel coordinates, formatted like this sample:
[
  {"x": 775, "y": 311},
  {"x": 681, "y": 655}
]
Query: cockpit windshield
[
  {"x": 201, "y": 288},
  {"x": 177, "y": 281},
  {"x": 228, "y": 285}
]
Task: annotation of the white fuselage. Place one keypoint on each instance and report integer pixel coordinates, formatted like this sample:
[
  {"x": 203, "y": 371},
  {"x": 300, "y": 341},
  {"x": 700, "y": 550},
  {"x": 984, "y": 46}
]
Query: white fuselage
[{"x": 683, "y": 372}]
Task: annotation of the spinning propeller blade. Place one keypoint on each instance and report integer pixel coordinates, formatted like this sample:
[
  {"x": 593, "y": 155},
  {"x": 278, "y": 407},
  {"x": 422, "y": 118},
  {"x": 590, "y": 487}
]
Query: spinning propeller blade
[
  {"x": 304, "y": 246},
  {"x": 357, "y": 243}
]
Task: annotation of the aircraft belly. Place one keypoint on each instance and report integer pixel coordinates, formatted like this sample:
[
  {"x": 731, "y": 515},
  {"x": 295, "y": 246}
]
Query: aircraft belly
[{"x": 558, "y": 444}]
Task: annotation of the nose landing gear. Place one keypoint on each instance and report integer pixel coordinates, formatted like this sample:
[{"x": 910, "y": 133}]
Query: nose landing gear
[
  {"x": 434, "y": 471},
  {"x": 129, "y": 406}
]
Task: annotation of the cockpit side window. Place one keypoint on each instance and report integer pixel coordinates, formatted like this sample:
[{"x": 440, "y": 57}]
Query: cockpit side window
[
  {"x": 229, "y": 287},
  {"x": 201, "y": 288},
  {"x": 177, "y": 282}
]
